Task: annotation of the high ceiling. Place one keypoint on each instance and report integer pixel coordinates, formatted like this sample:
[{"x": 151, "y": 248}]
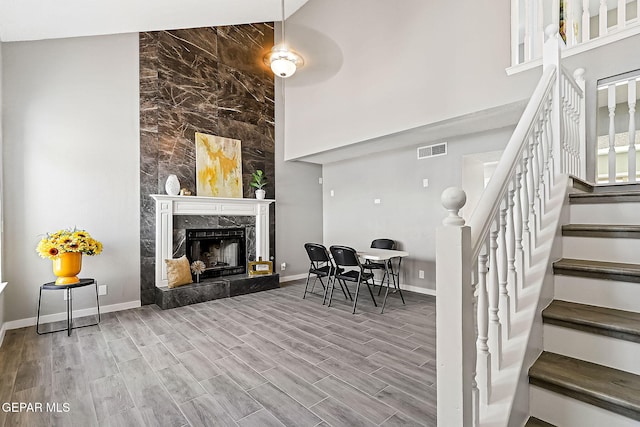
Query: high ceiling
[{"x": 48, "y": 19}]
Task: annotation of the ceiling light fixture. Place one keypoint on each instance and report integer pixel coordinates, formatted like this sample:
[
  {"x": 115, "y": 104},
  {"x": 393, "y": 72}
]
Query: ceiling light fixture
[{"x": 282, "y": 60}]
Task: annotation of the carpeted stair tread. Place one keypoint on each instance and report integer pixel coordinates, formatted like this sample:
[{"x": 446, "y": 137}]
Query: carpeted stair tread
[
  {"x": 597, "y": 269},
  {"x": 602, "y": 230},
  {"x": 611, "y": 389},
  {"x": 599, "y": 320}
]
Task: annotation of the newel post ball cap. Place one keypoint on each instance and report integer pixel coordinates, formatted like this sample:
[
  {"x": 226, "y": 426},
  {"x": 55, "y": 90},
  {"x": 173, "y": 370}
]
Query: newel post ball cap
[
  {"x": 453, "y": 199},
  {"x": 551, "y": 30},
  {"x": 578, "y": 74}
]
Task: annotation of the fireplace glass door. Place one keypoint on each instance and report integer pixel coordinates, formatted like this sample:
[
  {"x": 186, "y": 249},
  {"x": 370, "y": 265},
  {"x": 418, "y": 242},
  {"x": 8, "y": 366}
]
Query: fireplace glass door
[{"x": 222, "y": 250}]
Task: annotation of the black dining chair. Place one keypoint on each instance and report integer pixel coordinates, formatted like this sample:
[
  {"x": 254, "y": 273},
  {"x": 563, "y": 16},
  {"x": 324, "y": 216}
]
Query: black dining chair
[
  {"x": 380, "y": 265},
  {"x": 349, "y": 269},
  {"x": 320, "y": 266}
]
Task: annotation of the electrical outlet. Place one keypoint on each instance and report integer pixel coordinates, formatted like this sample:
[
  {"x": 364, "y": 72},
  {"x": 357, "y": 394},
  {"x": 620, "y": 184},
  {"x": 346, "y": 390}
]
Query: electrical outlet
[
  {"x": 332, "y": 193},
  {"x": 376, "y": 201},
  {"x": 283, "y": 266},
  {"x": 102, "y": 289},
  {"x": 320, "y": 180},
  {"x": 420, "y": 274},
  {"x": 425, "y": 182}
]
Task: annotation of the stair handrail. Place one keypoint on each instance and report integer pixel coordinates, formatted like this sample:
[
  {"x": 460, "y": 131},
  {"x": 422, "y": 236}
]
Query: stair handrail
[
  {"x": 492, "y": 254},
  {"x": 488, "y": 205}
]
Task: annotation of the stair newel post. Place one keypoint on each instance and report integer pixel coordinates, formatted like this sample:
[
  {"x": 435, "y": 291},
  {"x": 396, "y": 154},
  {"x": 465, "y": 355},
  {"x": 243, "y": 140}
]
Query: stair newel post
[
  {"x": 611, "y": 104},
  {"x": 551, "y": 58},
  {"x": 632, "y": 129},
  {"x": 495, "y": 327},
  {"x": 512, "y": 276},
  {"x": 503, "y": 270},
  {"x": 483, "y": 366},
  {"x": 456, "y": 350}
]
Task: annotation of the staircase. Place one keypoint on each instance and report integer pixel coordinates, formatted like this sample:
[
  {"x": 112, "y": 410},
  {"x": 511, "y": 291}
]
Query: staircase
[{"x": 589, "y": 371}]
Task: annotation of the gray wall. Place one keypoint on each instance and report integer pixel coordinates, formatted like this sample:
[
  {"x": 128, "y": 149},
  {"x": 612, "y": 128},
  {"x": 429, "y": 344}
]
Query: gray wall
[
  {"x": 379, "y": 67},
  {"x": 298, "y": 200},
  {"x": 408, "y": 212},
  {"x": 70, "y": 158},
  {"x": 2, "y": 309}
]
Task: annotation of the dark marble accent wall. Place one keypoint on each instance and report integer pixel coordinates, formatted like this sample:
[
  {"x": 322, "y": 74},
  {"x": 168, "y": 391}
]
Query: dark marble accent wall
[{"x": 209, "y": 80}]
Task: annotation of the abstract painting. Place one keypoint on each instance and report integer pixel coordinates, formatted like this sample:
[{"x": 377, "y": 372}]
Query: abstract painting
[{"x": 218, "y": 166}]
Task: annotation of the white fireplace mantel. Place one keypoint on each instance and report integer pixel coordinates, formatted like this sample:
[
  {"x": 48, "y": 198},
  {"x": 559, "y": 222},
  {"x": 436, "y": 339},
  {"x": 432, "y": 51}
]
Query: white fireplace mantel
[{"x": 168, "y": 206}]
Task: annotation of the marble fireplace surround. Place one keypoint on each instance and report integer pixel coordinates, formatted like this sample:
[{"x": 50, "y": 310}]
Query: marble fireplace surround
[{"x": 168, "y": 206}]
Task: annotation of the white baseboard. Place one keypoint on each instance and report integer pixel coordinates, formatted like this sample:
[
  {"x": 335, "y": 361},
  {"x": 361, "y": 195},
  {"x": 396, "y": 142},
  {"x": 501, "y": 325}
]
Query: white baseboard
[
  {"x": 31, "y": 321},
  {"x": 418, "y": 289},
  {"x": 292, "y": 278}
]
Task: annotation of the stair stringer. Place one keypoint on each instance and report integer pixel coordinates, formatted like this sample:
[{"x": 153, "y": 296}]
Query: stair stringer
[{"x": 527, "y": 344}]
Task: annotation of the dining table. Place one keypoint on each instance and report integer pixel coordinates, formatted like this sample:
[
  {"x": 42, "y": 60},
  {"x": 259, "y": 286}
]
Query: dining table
[{"x": 385, "y": 256}]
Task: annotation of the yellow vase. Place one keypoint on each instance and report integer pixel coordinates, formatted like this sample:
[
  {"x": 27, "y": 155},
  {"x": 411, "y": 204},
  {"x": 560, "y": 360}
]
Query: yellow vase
[{"x": 66, "y": 267}]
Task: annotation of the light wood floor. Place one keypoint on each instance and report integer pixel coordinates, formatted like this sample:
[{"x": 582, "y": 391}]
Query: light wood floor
[{"x": 264, "y": 359}]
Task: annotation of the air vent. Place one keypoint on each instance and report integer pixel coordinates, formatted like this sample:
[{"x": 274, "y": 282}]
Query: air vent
[{"x": 432, "y": 151}]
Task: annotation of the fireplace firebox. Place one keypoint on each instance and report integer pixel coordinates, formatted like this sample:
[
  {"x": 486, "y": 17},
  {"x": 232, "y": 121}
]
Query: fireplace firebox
[{"x": 222, "y": 250}]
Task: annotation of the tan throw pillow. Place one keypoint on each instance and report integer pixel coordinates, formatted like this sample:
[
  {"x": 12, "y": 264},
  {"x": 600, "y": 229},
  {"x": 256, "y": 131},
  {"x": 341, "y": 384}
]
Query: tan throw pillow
[{"x": 178, "y": 272}]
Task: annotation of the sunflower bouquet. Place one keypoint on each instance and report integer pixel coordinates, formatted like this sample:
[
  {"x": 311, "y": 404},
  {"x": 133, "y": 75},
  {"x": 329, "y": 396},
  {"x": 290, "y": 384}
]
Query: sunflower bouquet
[{"x": 69, "y": 240}]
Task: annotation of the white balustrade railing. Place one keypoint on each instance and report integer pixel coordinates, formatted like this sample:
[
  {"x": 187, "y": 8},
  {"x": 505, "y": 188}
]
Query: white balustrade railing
[
  {"x": 618, "y": 132},
  {"x": 580, "y": 21},
  {"x": 481, "y": 268}
]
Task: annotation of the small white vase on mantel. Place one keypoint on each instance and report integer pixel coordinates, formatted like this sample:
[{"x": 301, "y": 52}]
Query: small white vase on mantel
[
  {"x": 172, "y": 186},
  {"x": 260, "y": 194}
]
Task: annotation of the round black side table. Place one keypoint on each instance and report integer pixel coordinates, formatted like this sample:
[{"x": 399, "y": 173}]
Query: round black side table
[{"x": 51, "y": 286}]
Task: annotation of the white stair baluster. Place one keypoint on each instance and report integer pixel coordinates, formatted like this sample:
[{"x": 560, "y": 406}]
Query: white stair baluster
[
  {"x": 495, "y": 328},
  {"x": 548, "y": 156},
  {"x": 563, "y": 125},
  {"x": 586, "y": 21},
  {"x": 552, "y": 159},
  {"x": 622, "y": 14},
  {"x": 475, "y": 391},
  {"x": 538, "y": 29},
  {"x": 541, "y": 164},
  {"x": 515, "y": 33},
  {"x": 512, "y": 276},
  {"x": 483, "y": 365},
  {"x": 531, "y": 187},
  {"x": 503, "y": 271},
  {"x": 535, "y": 160},
  {"x": 570, "y": 24},
  {"x": 602, "y": 19},
  {"x": 632, "y": 129},
  {"x": 612, "y": 131},
  {"x": 528, "y": 30},
  {"x": 518, "y": 221},
  {"x": 524, "y": 198}
]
